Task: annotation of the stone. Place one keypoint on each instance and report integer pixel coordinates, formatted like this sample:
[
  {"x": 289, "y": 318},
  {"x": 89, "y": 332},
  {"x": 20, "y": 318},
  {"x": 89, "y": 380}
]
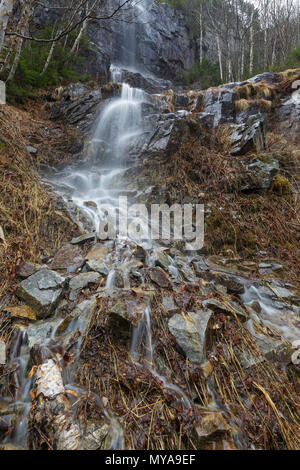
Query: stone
[
  {"x": 249, "y": 136},
  {"x": 212, "y": 423},
  {"x": 160, "y": 259},
  {"x": 68, "y": 257},
  {"x": 190, "y": 332},
  {"x": 98, "y": 252},
  {"x": 82, "y": 312},
  {"x": 98, "y": 266},
  {"x": 39, "y": 332},
  {"x": 169, "y": 305},
  {"x": 42, "y": 291},
  {"x": 2, "y": 352},
  {"x": 82, "y": 281},
  {"x": 27, "y": 269},
  {"x": 31, "y": 150},
  {"x": 87, "y": 237},
  {"x": 159, "y": 277},
  {"x": 95, "y": 436},
  {"x": 22, "y": 311}
]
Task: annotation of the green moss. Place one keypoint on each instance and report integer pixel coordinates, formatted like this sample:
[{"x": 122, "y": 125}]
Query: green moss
[{"x": 281, "y": 185}]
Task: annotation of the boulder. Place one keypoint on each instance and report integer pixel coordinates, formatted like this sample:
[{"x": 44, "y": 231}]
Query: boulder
[
  {"x": 190, "y": 332},
  {"x": 68, "y": 257},
  {"x": 82, "y": 281},
  {"x": 42, "y": 291}
]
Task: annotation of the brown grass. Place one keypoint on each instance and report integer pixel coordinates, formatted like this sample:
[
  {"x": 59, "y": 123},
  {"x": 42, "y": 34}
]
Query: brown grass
[{"x": 30, "y": 224}]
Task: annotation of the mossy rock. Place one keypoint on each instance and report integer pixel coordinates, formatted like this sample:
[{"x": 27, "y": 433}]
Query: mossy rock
[{"x": 281, "y": 185}]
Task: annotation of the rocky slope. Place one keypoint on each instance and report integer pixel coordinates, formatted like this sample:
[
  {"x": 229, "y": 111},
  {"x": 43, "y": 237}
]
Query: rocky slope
[{"x": 107, "y": 345}]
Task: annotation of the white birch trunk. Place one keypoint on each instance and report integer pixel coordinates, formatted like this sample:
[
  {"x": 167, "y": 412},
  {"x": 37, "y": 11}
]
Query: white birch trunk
[{"x": 6, "y": 7}]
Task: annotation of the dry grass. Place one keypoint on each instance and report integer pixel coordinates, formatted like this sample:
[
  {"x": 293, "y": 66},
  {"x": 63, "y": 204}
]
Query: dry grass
[
  {"x": 30, "y": 223},
  {"x": 259, "y": 405},
  {"x": 242, "y": 105}
]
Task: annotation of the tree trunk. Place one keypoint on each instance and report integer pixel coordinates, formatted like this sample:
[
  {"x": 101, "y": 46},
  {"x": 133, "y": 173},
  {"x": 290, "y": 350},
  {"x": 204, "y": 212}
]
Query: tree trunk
[
  {"x": 251, "y": 65},
  {"x": 220, "y": 57},
  {"x": 16, "y": 61},
  {"x": 6, "y": 7},
  {"x": 48, "y": 58}
]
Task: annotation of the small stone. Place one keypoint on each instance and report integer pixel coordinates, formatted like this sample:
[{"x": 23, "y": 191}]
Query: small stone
[
  {"x": 31, "y": 149},
  {"x": 22, "y": 311},
  {"x": 68, "y": 257},
  {"x": 159, "y": 277},
  {"x": 212, "y": 423},
  {"x": 230, "y": 308}
]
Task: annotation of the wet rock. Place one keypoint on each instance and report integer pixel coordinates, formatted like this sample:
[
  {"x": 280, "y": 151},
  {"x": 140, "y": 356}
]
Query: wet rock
[
  {"x": 190, "y": 332},
  {"x": 168, "y": 136},
  {"x": 2, "y": 352},
  {"x": 87, "y": 237},
  {"x": 98, "y": 266},
  {"x": 82, "y": 312},
  {"x": 22, "y": 311},
  {"x": 159, "y": 277},
  {"x": 125, "y": 309},
  {"x": 68, "y": 257},
  {"x": 81, "y": 281},
  {"x": 249, "y": 136},
  {"x": 272, "y": 349},
  {"x": 95, "y": 436},
  {"x": 140, "y": 253},
  {"x": 42, "y": 291},
  {"x": 98, "y": 252},
  {"x": 39, "y": 332}
]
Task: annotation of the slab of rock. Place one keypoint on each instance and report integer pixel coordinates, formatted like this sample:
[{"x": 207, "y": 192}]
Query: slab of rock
[
  {"x": 249, "y": 136},
  {"x": 98, "y": 266},
  {"x": 87, "y": 237},
  {"x": 159, "y": 277},
  {"x": 22, "y": 311},
  {"x": 82, "y": 313},
  {"x": 98, "y": 252},
  {"x": 190, "y": 332},
  {"x": 42, "y": 291},
  {"x": 95, "y": 436},
  {"x": 68, "y": 257},
  {"x": 81, "y": 281},
  {"x": 2, "y": 352},
  {"x": 27, "y": 269}
]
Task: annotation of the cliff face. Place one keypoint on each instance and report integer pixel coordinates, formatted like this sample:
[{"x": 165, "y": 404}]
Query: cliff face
[{"x": 153, "y": 35}]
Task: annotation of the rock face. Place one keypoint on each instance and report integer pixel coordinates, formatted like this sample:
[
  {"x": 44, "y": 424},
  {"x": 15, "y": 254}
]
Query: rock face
[
  {"x": 159, "y": 39},
  {"x": 250, "y": 135},
  {"x": 190, "y": 332},
  {"x": 42, "y": 291}
]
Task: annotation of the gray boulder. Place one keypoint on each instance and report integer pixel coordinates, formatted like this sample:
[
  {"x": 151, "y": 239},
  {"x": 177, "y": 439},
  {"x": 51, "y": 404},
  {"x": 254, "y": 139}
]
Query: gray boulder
[
  {"x": 190, "y": 332},
  {"x": 42, "y": 291},
  {"x": 249, "y": 136}
]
